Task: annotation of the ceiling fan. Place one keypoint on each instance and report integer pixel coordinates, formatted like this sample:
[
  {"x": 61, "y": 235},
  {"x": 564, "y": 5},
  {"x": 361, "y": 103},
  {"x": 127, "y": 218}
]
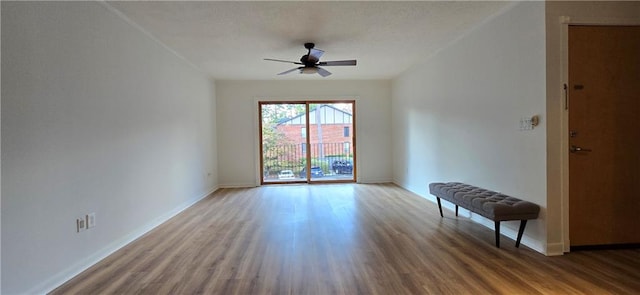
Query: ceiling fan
[{"x": 311, "y": 62}]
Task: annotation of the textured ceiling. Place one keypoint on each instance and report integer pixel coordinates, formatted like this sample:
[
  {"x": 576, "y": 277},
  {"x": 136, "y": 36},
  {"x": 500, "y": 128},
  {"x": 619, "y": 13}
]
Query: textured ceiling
[{"x": 228, "y": 40}]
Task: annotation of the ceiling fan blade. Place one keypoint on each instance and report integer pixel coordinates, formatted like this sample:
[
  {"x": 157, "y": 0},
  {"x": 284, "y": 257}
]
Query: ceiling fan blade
[
  {"x": 323, "y": 72},
  {"x": 289, "y": 71},
  {"x": 287, "y": 61},
  {"x": 351, "y": 62},
  {"x": 317, "y": 53}
]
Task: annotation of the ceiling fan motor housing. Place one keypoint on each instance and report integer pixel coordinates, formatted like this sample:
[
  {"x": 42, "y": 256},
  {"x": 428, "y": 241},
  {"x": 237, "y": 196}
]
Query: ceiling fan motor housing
[{"x": 309, "y": 60}]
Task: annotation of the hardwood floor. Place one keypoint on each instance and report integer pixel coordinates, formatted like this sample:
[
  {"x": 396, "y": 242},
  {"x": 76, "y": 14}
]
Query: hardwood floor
[{"x": 341, "y": 239}]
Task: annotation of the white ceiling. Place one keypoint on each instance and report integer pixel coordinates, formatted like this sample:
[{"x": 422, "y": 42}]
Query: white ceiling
[{"x": 229, "y": 40}]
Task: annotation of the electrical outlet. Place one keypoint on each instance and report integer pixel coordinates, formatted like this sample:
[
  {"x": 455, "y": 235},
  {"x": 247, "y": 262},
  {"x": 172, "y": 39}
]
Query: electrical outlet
[
  {"x": 81, "y": 224},
  {"x": 91, "y": 220}
]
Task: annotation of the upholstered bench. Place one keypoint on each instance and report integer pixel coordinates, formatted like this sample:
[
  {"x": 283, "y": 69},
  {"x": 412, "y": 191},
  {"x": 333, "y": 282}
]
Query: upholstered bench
[{"x": 490, "y": 204}]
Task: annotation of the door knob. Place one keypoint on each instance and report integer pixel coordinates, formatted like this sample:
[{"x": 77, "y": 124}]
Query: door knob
[{"x": 575, "y": 149}]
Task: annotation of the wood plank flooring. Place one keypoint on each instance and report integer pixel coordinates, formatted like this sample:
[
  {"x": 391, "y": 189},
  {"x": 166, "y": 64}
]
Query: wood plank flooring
[{"x": 341, "y": 239}]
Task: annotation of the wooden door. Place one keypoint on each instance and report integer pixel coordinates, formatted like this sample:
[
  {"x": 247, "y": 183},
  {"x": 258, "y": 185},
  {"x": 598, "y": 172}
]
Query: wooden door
[{"x": 604, "y": 135}]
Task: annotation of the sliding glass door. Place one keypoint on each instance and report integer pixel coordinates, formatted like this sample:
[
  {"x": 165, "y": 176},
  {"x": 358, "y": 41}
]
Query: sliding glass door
[
  {"x": 331, "y": 141},
  {"x": 307, "y": 141}
]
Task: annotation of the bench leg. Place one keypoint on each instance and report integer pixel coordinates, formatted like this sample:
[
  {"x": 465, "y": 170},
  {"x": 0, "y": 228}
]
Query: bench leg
[
  {"x": 523, "y": 223},
  {"x": 497, "y": 223},
  {"x": 456, "y": 210},
  {"x": 440, "y": 207}
]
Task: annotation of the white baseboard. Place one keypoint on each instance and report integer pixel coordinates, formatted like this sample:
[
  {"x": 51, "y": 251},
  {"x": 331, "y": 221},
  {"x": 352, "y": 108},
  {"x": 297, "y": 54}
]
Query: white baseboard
[
  {"x": 245, "y": 185},
  {"x": 74, "y": 270},
  {"x": 373, "y": 181},
  {"x": 512, "y": 233},
  {"x": 237, "y": 185}
]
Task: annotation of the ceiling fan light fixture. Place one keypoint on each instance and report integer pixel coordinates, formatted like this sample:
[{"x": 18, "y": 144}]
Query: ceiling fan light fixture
[{"x": 309, "y": 70}]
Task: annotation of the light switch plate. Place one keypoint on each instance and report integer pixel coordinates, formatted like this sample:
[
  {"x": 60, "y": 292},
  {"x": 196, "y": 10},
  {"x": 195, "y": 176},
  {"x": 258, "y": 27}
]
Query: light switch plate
[
  {"x": 91, "y": 220},
  {"x": 81, "y": 224}
]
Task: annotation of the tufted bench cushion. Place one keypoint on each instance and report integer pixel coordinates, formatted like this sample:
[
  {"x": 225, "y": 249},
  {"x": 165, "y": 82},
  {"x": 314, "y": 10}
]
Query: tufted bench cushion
[{"x": 492, "y": 205}]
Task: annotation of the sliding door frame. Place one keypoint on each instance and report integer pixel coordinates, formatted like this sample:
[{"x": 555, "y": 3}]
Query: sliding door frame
[{"x": 307, "y": 103}]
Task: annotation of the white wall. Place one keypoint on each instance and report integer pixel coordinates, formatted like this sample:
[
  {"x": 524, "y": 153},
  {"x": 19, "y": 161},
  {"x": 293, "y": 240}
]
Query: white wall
[
  {"x": 96, "y": 117},
  {"x": 578, "y": 13},
  {"x": 238, "y": 126},
  {"x": 456, "y": 117}
]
